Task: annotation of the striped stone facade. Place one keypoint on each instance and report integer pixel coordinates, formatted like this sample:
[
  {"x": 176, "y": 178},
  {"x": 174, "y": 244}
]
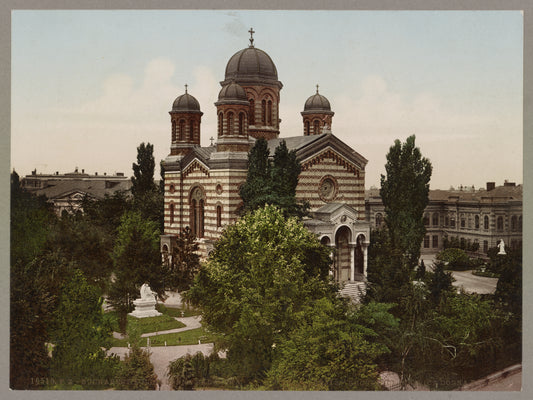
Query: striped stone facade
[{"x": 202, "y": 183}]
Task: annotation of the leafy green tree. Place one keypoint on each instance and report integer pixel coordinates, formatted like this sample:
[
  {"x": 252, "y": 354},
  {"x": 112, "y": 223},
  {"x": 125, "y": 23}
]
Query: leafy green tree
[
  {"x": 257, "y": 189},
  {"x": 439, "y": 283},
  {"x": 181, "y": 373},
  {"x": 136, "y": 261},
  {"x": 327, "y": 350},
  {"x": 272, "y": 181},
  {"x": 32, "y": 293},
  {"x": 136, "y": 372},
  {"x": 455, "y": 259},
  {"x": 147, "y": 196},
  {"x": 185, "y": 262},
  {"x": 79, "y": 331},
  {"x": 404, "y": 192},
  {"x": 264, "y": 269}
]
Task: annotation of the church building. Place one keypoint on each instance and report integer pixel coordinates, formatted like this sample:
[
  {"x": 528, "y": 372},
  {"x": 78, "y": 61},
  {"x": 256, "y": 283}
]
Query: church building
[{"x": 202, "y": 182}]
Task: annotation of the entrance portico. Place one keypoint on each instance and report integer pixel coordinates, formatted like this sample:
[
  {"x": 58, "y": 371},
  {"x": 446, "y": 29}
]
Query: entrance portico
[{"x": 337, "y": 226}]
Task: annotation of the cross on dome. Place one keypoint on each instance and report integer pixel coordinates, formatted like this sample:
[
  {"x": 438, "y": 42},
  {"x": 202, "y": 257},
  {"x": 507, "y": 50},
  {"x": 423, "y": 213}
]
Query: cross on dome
[
  {"x": 186, "y": 86},
  {"x": 317, "y": 88},
  {"x": 251, "y": 37}
]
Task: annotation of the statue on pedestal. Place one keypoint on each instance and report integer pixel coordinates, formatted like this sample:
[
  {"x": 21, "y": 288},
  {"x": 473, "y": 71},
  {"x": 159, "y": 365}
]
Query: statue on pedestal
[
  {"x": 145, "y": 306},
  {"x": 501, "y": 245}
]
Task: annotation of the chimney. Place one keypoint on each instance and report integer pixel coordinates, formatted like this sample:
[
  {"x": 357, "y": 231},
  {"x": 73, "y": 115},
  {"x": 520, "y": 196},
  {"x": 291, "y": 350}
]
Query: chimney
[
  {"x": 82, "y": 171},
  {"x": 490, "y": 186},
  {"x": 96, "y": 174},
  {"x": 509, "y": 184}
]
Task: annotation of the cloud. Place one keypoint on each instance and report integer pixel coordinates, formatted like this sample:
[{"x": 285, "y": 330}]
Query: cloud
[{"x": 235, "y": 27}]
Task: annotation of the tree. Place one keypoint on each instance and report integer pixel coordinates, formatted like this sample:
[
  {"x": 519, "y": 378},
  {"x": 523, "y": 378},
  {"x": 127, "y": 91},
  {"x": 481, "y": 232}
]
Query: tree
[
  {"x": 79, "y": 331},
  {"x": 256, "y": 191},
  {"x": 136, "y": 261},
  {"x": 263, "y": 270},
  {"x": 181, "y": 373},
  {"x": 404, "y": 192},
  {"x": 184, "y": 262},
  {"x": 272, "y": 181},
  {"x": 32, "y": 293},
  {"x": 147, "y": 196},
  {"x": 136, "y": 372},
  {"x": 327, "y": 350},
  {"x": 439, "y": 283},
  {"x": 143, "y": 171}
]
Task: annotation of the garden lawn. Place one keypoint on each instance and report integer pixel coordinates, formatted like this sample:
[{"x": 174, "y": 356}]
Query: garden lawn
[{"x": 173, "y": 339}]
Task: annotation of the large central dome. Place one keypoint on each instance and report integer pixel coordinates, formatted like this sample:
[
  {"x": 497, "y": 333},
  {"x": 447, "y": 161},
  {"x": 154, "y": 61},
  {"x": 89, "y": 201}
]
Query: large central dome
[{"x": 251, "y": 66}]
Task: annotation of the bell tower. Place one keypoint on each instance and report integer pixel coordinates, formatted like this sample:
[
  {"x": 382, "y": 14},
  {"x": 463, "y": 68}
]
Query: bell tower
[
  {"x": 317, "y": 115},
  {"x": 185, "y": 118}
]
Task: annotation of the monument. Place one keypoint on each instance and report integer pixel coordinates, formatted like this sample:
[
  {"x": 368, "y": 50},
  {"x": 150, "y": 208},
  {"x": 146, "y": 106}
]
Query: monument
[
  {"x": 145, "y": 306},
  {"x": 501, "y": 246}
]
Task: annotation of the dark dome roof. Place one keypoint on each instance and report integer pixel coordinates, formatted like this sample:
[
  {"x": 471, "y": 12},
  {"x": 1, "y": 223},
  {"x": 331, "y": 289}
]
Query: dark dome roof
[
  {"x": 251, "y": 65},
  {"x": 233, "y": 91},
  {"x": 186, "y": 103},
  {"x": 317, "y": 103}
]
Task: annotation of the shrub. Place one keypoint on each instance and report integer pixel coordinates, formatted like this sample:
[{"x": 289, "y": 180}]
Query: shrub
[{"x": 455, "y": 259}]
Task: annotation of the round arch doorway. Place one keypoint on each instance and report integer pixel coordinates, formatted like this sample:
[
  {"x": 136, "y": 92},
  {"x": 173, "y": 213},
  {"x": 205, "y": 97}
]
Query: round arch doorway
[{"x": 343, "y": 255}]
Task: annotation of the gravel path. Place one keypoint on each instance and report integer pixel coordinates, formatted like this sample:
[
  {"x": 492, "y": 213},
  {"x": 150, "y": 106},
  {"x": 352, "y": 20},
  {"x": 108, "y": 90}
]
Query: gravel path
[
  {"x": 161, "y": 356},
  {"x": 473, "y": 283}
]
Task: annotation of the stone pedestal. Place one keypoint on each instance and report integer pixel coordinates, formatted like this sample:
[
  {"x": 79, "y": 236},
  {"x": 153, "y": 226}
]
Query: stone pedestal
[{"x": 144, "y": 308}]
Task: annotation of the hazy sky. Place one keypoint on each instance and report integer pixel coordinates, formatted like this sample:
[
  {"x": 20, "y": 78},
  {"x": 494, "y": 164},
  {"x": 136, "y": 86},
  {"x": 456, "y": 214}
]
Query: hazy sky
[{"x": 89, "y": 86}]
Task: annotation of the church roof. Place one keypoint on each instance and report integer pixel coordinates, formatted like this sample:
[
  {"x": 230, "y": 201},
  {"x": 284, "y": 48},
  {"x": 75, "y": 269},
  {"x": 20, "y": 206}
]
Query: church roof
[
  {"x": 293, "y": 143},
  {"x": 251, "y": 66}
]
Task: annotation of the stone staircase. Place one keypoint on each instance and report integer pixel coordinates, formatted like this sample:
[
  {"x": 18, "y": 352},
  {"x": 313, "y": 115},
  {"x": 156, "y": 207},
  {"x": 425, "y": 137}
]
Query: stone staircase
[{"x": 353, "y": 290}]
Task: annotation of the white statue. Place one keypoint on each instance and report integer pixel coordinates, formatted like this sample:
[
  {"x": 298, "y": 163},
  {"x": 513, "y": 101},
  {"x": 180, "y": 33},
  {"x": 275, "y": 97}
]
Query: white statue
[
  {"x": 501, "y": 245},
  {"x": 146, "y": 292}
]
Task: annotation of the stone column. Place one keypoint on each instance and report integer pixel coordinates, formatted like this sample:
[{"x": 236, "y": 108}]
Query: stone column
[
  {"x": 365, "y": 257},
  {"x": 352, "y": 261}
]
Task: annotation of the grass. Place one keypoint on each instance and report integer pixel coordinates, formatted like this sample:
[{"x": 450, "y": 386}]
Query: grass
[
  {"x": 172, "y": 339},
  {"x": 177, "y": 311}
]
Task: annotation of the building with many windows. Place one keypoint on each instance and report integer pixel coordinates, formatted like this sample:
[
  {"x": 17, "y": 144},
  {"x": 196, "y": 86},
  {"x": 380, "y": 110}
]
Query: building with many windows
[
  {"x": 202, "y": 182},
  {"x": 476, "y": 219}
]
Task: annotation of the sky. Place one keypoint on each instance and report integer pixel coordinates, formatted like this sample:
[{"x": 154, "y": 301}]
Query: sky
[{"x": 89, "y": 86}]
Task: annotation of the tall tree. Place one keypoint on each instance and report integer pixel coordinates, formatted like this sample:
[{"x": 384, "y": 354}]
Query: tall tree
[
  {"x": 78, "y": 333},
  {"x": 136, "y": 260},
  {"x": 272, "y": 181},
  {"x": 257, "y": 189},
  {"x": 264, "y": 269},
  {"x": 405, "y": 195},
  {"x": 184, "y": 262},
  {"x": 143, "y": 171},
  {"x": 147, "y": 196}
]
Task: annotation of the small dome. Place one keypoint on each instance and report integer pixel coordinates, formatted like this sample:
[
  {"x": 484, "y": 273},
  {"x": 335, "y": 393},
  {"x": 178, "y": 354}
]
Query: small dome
[
  {"x": 233, "y": 91},
  {"x": 186, "y": 103},
  {"x": 317, "y": 103},
  {"x": 251, "y": 65}
]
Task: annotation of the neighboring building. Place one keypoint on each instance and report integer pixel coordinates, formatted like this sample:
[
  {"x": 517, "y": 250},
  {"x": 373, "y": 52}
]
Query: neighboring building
[
  {"x": 202, "y": 183},
  {"x": 478, "y": 219},
  {"x": 67, "y": 191}
]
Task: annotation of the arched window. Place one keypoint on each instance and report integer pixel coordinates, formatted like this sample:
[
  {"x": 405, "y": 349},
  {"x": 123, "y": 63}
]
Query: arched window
[
  {"x": 241, "y": 124},
  {"x": 174, "y": 136},
  {"x": 476, "y": 221},
  {"x": 171, "y": 208},
  {"x": 435, "y": 219},
  {"x": 307, "y": 128},
  {"x": 316, "y": 127},
  {"x": 220, "y": 124},
  {"x": 269, "y": 112},
  {"x": 219, "y": 216},
  {"x": 426, "y": 220},
  {"x": 252, "y": 112},
  {"x": 499, "y": 224},
  {"x": 514, "y": 223},
  {"x": 191, "y": 130},
  {"x": 379, "y": 220},
  {"x": 230, "y": 123},
  {"x": 197, "y": 205},
  {"x": 263, "y": 112},
  {"x": 446, "y": 221},
  {"x": 182, "y": 130},
  {"x": 486, "y": 222}
]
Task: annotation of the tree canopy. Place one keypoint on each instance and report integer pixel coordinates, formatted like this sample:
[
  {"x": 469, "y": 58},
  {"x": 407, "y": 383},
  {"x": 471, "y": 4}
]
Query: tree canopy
[
  {"x": 272, "y": 181},
  {"x": 263, "y": 270}
]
